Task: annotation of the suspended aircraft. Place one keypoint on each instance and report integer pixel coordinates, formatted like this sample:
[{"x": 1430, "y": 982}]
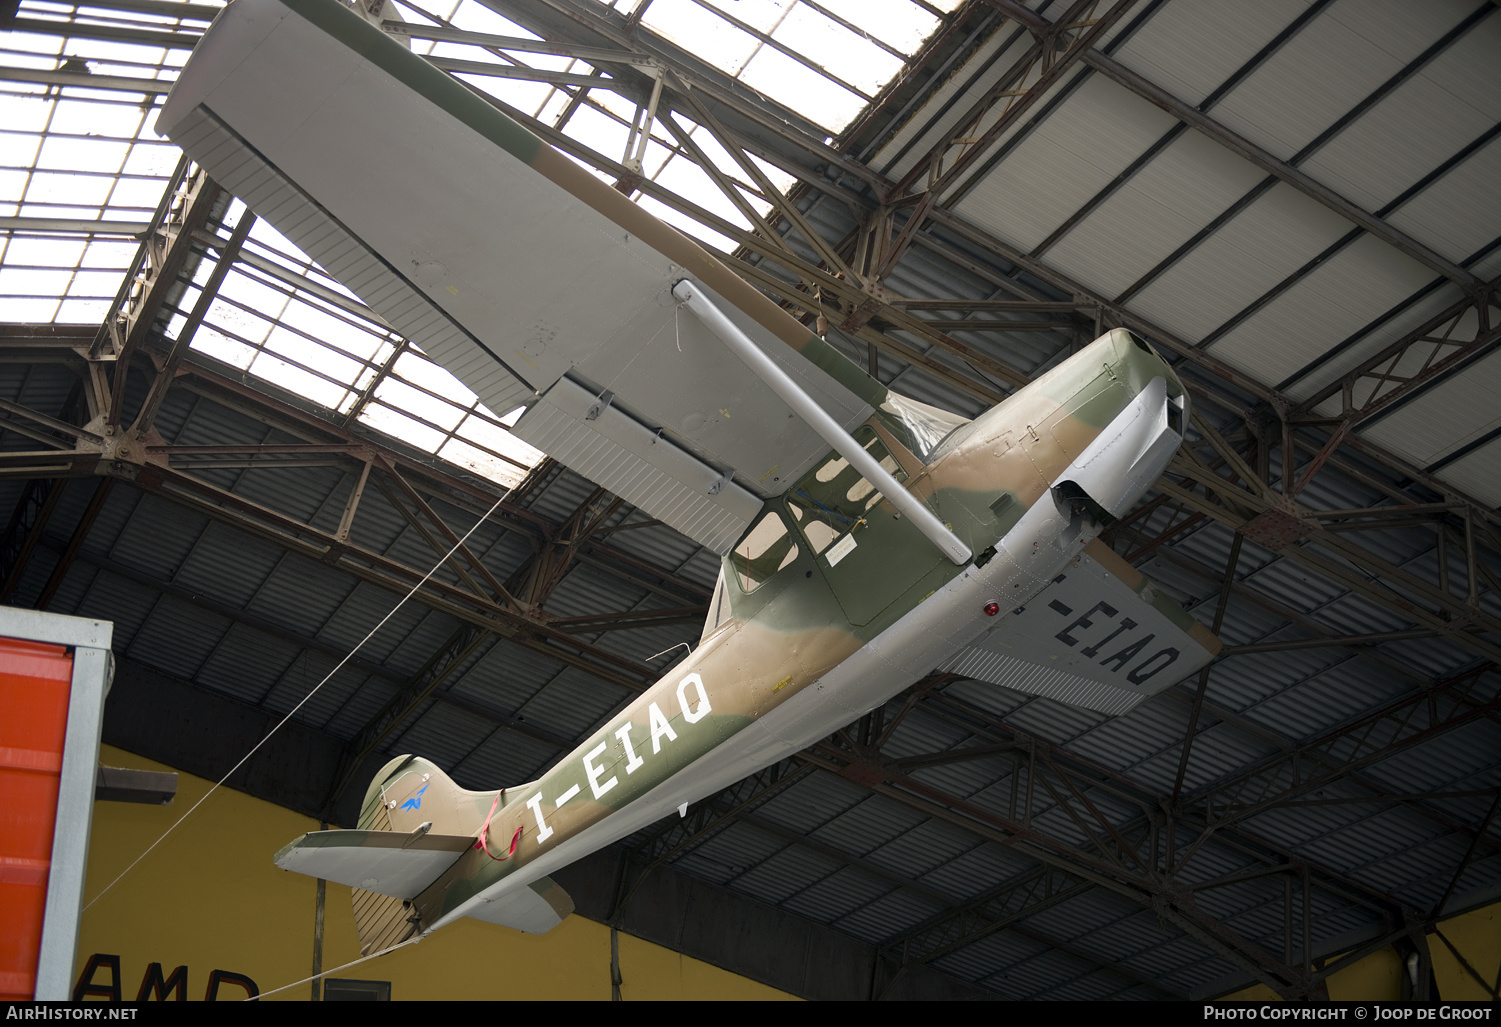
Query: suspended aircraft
[{"x": 866, "y": 538}]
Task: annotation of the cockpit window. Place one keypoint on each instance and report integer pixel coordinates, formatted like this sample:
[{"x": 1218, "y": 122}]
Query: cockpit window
[
  {"x": 833, "y": 499},
  {"x": 767, "y": 549}
]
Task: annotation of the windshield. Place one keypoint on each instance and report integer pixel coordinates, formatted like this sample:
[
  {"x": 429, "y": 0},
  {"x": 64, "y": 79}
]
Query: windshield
[{"x": 833, "y": 499}]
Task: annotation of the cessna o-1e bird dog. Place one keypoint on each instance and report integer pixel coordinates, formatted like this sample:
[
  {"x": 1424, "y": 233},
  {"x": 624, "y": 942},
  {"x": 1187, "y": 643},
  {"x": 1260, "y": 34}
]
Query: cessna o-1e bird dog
[{"x": 921, "y": 541}]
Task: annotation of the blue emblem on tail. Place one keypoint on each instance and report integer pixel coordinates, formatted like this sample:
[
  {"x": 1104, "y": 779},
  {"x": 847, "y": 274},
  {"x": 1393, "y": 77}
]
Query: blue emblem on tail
[{"x": 415, "y": 802}]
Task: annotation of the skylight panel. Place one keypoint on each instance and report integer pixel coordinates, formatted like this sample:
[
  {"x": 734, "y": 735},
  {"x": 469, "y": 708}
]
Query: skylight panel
[
  {"x": 687, "y": 225},
  {"x": 23, "y": 281},
  {"x": 599, "y": 131},
  {"x": 702, "y": 33},
  {"x": 95, "y": 284},
  {"x": 518, "y": 93},
  {"x": 65, "y": 194},
  {"x": 294, "y": 377},
  {"x": 324, "y": 360},
  {"x": 151, "y": 160},
  {"x": 436, "y": 379},
  {"x": 22, "y": 113},
  {"x": 82, "y": 311},
  {"x": 761, "y": 15},
  {"x": 846, "y": 56},
  {"x": 27, "y": 49},
  {"x": 802, "y": 89},
  {"x": 476, "y": 17},
  {"x": 656, "y": 157},
  {"x": 824, "y": 61},
  {"x": 232, "y": 319},
  {"x": 419, "y": 403},
  {"x": 115, "y": 58},
  {"x": 459, "y": 451},
  {"x": 691, "y": 182},
  {"x": 26, "y": 309},
  {"x": 140, "y": 195},
  {"x": 222, "y": 347},
  {"x": 104, "y": 253},
  {"x": 96, "y": 155},
  {"x": 484, "y": 446},
  {"x": 431, "y": 10},
  {"x": 332, "y": 331},
  {"x": 101, "y": 120},
  {"x": 41, "y": 252},
  {"x": 245, "y": 291},
  {"x": 900, "y": 24},
  {"x": 20, "y": 156},
  {"x": 775, "y": 175},
  {"x": 402, "y": 426}
]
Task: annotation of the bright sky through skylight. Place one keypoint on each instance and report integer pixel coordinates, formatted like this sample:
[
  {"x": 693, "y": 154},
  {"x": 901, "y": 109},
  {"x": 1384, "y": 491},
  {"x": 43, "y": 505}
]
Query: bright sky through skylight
[{"x": 81, "y": 171}]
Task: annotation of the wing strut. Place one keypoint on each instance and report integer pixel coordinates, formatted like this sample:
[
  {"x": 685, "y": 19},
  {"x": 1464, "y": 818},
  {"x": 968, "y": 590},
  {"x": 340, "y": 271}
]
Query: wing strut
[{"x": 818, "y": 419}]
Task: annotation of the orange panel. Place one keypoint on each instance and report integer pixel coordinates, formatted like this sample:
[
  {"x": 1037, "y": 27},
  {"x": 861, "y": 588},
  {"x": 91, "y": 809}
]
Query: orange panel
[{"x": 34, "y": 687}]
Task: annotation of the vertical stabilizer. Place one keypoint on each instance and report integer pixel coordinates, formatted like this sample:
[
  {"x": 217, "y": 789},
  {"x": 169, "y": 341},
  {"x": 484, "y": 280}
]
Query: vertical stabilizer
[{"x": 407, "y": 793}]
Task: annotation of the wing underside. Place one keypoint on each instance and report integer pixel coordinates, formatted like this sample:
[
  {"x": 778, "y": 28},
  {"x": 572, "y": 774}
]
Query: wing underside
[
  {"x": 528, "y": 278},
  {"x": 1100, "y": 636}
]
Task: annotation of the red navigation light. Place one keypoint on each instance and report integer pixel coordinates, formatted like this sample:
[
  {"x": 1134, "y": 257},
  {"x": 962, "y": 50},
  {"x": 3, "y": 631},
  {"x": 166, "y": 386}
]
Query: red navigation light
[{"x": 991, "y": 609}]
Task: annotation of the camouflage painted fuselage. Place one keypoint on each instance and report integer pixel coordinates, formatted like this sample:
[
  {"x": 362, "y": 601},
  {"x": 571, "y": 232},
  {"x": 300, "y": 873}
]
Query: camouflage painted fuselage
[{"x": 814, "y": 645}]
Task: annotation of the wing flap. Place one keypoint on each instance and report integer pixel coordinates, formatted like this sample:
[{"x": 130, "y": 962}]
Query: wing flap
[
  {"x": 649, "y": 470},
  {"x": 1100, "y": 636},
  {"x": 398, "y": 865}
]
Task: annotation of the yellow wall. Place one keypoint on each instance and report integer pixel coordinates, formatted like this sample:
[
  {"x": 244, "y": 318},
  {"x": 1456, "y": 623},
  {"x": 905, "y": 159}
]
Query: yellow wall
[
  {"x": 208, "y": 897},
  {"x": 1378, "y": 977},
  {"x": 1477, "y": 936}
]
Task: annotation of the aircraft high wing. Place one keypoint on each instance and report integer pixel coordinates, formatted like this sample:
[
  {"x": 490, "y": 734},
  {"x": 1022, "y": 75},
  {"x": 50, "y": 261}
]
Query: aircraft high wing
[
  {"x": 866, "y": 539},
  {"x": 528, "y": 278}
]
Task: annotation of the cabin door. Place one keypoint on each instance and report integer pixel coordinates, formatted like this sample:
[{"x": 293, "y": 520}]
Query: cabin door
[{"x": 866, "y": 551}]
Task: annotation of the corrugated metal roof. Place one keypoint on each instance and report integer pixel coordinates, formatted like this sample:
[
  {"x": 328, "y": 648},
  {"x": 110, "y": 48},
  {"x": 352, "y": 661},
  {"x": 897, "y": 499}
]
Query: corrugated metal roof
[{"x": 1189, "y": 47}]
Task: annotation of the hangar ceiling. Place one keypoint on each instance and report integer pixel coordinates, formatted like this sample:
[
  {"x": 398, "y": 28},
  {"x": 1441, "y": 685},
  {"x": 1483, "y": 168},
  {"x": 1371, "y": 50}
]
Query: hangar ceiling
[{"x": 212, "y": 444}]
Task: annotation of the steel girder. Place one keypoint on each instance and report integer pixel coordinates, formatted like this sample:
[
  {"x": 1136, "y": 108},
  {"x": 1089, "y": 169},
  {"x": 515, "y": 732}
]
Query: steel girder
[
  {"x": 1283, "y": 171},
  {"x": 169, "y": 471}
]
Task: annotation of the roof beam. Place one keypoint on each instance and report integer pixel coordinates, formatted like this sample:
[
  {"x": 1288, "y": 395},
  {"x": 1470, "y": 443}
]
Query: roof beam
[
  {"x": 1248, "y": 150},
  {"x": 1389, "y": 376},
  {"x": 1142, "y": 886}
]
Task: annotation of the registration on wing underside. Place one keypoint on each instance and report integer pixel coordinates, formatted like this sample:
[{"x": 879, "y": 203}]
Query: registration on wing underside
[
  {"x": 508, "y": 264},
  {"x": 1100, "y": 636}
]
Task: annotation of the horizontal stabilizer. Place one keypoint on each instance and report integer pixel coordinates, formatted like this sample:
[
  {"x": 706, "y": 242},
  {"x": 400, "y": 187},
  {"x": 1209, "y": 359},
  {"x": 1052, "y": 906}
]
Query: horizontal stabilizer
[
  {"x": 1100, "y": 636},
  {"x": 535, "y": 909},
  {"x": 399, "y": 865}
]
